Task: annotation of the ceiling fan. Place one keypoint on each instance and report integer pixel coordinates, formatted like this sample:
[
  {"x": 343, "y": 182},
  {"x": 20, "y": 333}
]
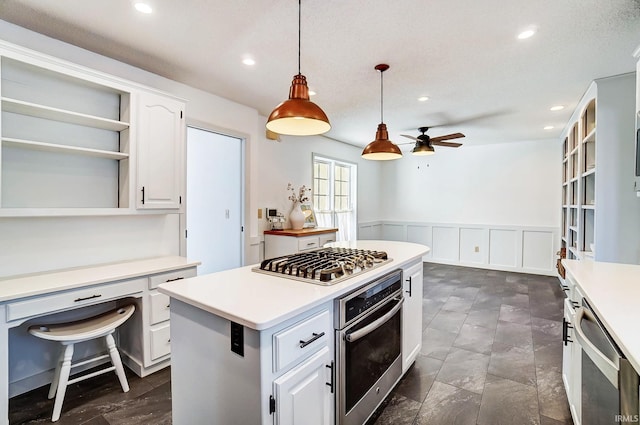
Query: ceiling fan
[{"x": 425, "y": 143}]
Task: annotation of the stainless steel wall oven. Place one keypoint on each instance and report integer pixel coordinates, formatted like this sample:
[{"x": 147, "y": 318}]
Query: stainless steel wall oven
[{"x": 368, "y": 346}]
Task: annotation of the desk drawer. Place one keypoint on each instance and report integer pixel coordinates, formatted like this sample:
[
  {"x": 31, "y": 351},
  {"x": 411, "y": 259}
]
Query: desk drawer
[
  {"x": 301, "y": 339},
  {"x": 38, "y": 306},
  {"x": 160, "y": 339},
  {"x": 157, "y": 279},
  {"x": 159, "y": 308}
]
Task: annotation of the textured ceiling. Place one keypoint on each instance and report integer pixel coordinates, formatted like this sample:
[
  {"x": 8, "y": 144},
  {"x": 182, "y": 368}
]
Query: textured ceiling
[{"x": 463, "y": 54}]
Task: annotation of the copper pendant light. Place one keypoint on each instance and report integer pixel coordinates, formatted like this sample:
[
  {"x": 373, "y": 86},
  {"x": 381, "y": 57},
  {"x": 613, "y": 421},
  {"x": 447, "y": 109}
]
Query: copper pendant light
[
  {"x": 298, "y": 116},
  {"x": 381, "y": 149}
]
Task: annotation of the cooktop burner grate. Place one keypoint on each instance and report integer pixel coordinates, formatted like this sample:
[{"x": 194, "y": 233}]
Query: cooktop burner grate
[{"x": 326, "y": 266}]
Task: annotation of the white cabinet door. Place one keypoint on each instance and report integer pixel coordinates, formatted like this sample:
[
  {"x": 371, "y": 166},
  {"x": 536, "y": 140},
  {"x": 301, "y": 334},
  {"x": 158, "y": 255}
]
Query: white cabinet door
[
  {"x": 302, "y": 394},
  {"x": 411, "y": 315},
  {"x": 161, "y": 133}
]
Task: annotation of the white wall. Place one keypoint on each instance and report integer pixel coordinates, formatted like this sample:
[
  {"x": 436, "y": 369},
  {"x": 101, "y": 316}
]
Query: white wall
[
  {"x": 504, "y": 184},
  {"x": 290, "y": 161},
  {"x": 492, "y": 206}
]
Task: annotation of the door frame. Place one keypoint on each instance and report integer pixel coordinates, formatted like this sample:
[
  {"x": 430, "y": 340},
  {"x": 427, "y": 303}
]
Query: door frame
[{"x": 244, "y": 199}]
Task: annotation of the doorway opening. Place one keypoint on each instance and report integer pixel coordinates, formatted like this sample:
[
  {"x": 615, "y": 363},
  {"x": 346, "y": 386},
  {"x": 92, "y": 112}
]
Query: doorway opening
[{"x": 215, "y": 194}]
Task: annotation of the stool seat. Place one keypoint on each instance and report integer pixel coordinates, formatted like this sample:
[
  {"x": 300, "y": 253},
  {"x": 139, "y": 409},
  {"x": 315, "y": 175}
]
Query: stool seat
[
  {"x": 68, "y": 334},
  {"x": 82, "y": 330}
]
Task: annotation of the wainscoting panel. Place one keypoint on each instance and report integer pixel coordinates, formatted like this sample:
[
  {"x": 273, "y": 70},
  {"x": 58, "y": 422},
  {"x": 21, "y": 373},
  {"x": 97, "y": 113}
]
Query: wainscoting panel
[
  {"x": 503, "y": 247},
  {"x": 526, "y": 249},
  {"x": 472, "y": 243},
  {"x": 446, "y": 243},
  {"x": 537, "y": 250}
]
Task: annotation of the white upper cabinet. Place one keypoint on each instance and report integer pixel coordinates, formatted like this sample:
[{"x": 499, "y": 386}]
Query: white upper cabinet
[
  {"x": 75, "y": 141},
  {"x": 161, "y": 136}
]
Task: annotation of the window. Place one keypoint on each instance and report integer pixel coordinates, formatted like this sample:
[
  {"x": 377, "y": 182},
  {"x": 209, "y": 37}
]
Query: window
[{"x": 334, "y": 195}]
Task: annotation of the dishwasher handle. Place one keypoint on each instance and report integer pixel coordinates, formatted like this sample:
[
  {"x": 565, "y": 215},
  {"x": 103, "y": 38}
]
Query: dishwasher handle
[
  {"x": 356, "y": 335},
  {"x": 608, "y": 368}
]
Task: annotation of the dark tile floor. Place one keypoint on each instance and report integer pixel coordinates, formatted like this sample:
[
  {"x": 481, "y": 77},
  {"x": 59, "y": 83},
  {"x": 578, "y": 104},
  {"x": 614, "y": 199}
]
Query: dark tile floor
[
  {"x": 491, "y": 352},
  {"x": 491, "y": 355}
]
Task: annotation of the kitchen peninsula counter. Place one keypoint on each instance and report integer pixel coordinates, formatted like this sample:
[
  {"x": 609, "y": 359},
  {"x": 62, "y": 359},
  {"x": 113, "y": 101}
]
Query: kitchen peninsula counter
[
  {"x": 613, "y": 291},
  {"x": 260, "y": 301}
]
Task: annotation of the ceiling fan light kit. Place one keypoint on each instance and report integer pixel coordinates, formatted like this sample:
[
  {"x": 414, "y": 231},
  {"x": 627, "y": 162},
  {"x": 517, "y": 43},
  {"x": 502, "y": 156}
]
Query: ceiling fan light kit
[
  {"x": 422, "y": 149},
  {"x": 381, "y": 149},
  {"x": 298, "y": 116},
  {"x": 424, "y": 143}
]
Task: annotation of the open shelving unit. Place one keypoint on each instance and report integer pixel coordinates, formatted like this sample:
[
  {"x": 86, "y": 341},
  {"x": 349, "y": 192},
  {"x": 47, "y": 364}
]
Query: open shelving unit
[
  {"x": 64, "y": 141},
  {"x": 600, "y": 213}
]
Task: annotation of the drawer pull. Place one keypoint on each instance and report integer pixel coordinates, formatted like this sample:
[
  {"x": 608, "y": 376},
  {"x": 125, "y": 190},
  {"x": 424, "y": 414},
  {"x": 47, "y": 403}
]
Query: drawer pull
[
  {"x": 87, "y": 298},
  {"x": 313, "y": 338},
  {"x": 174, "y": 279},
  {"x": 311, "y": 244},
  {"x": 168, "y": 305}
]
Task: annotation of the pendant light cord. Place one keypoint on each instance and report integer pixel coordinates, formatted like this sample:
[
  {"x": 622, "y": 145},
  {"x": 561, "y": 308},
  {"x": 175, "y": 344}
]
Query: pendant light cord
[
  {"x": 381, "y": 99},
  {"x": 299, "y": 31}
]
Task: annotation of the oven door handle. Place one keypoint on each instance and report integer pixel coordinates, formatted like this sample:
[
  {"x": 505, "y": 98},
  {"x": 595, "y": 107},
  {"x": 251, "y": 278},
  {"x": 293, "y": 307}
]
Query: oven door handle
[
  {"x": 356, "y": 335},
  {"x": 602, "y": 362}
]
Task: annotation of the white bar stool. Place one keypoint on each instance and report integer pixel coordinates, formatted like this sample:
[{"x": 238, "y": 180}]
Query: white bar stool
[{"x": 70, "y": 333}]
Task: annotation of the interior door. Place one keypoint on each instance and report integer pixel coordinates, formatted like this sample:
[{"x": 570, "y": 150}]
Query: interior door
[{"x": 214, "y": 200}]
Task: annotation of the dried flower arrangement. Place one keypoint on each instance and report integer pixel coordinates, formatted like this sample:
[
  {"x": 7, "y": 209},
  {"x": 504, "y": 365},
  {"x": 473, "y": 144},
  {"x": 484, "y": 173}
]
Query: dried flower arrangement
[{"x": 303, "y": 194}]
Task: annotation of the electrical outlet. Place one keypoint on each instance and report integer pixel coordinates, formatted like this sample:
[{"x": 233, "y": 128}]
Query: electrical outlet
[
  {"x": 259, "y": 212},
  {"x": 477, "y": 249}
]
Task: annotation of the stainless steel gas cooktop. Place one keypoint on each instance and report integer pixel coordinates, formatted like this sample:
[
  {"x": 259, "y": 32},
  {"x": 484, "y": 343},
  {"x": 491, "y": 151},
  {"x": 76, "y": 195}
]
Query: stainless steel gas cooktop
[{"x": 326, "y": 266}]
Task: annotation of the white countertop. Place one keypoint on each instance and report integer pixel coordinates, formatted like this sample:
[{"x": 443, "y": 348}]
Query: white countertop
[
  {"x": 260, "y": 301},
  {"x": 613, "y": 291},
  {"x": 42, "y": 283}
]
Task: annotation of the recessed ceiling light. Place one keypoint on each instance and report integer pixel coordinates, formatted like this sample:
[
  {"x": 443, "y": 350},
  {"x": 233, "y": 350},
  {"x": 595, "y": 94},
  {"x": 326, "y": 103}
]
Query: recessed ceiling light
[
  {"x": 556, "y": 108},
  {"x": 423, "y": 98},
  {"x": 312, "y": 93},
  {"x": 143, "y": 7},
  {"x": 549, "y": 127},
  {"x": 248, "y": 61},
  {"x": 526, "y": 34}
]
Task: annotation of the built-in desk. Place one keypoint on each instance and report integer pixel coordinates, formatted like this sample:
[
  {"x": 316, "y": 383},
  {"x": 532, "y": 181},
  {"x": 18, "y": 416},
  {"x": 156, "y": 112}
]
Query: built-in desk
[
  {"x": 289, "y": 241},
  {"x": 25, "y": 362}
]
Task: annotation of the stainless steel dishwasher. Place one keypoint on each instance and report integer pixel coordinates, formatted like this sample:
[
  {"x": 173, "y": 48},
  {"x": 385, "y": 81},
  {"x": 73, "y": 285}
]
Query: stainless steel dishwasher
[{"x": 609, "y": 382}]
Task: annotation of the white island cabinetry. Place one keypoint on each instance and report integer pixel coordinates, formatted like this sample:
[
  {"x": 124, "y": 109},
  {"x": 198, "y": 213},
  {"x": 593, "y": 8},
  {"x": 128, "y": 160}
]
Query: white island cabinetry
[
  {"x": 411, "y": 315},
  {"x": 251, "y": 348}
]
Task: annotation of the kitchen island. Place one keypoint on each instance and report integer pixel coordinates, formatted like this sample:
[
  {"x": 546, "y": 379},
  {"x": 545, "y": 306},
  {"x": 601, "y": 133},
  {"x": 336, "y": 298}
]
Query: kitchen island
[{"x": 247, "y": 346}]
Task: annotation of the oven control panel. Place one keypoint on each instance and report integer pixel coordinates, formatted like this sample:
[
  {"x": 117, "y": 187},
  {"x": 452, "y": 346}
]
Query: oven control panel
[{"x": 370, "y": 296}]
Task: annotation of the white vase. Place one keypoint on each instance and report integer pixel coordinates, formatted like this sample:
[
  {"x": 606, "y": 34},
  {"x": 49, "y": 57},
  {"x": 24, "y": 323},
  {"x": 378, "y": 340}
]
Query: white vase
[{"x": 296, "y": 217}]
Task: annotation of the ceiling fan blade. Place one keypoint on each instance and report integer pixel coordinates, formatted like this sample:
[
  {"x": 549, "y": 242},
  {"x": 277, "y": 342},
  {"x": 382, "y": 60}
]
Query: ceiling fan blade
[
  {"x": 448, "y": 144},
  {"x": 447, "y": 137},
  {"x": 410, "y": 137}
]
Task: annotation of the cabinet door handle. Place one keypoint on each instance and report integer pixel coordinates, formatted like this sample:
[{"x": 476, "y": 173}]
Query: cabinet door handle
[
  {"x": 565, "y": 288},
  {"x": 311, "y": 244},
  {"x": 142, "y": 195},
  {"x": 331, "y": 384},
  {"x": 409, "y": 291},
  {"x": 87, "y": 298},
  {"x": 314, "y": 337},
  {"x": 566, "y": 325}
]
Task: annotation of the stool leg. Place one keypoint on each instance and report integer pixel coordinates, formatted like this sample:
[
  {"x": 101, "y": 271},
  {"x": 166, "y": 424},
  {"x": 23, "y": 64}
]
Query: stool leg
[
  {"x": 65, "y": 369},
  {"x": 56, "y": 375},
  {"x": 117, "y": 362}
]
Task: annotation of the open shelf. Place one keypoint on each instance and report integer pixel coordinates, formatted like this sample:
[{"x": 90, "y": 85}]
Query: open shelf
[
  {"x": 46, "y": 112},
  {"x": 52, "y": 147},
  {"x": 589, "y": 172}
]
